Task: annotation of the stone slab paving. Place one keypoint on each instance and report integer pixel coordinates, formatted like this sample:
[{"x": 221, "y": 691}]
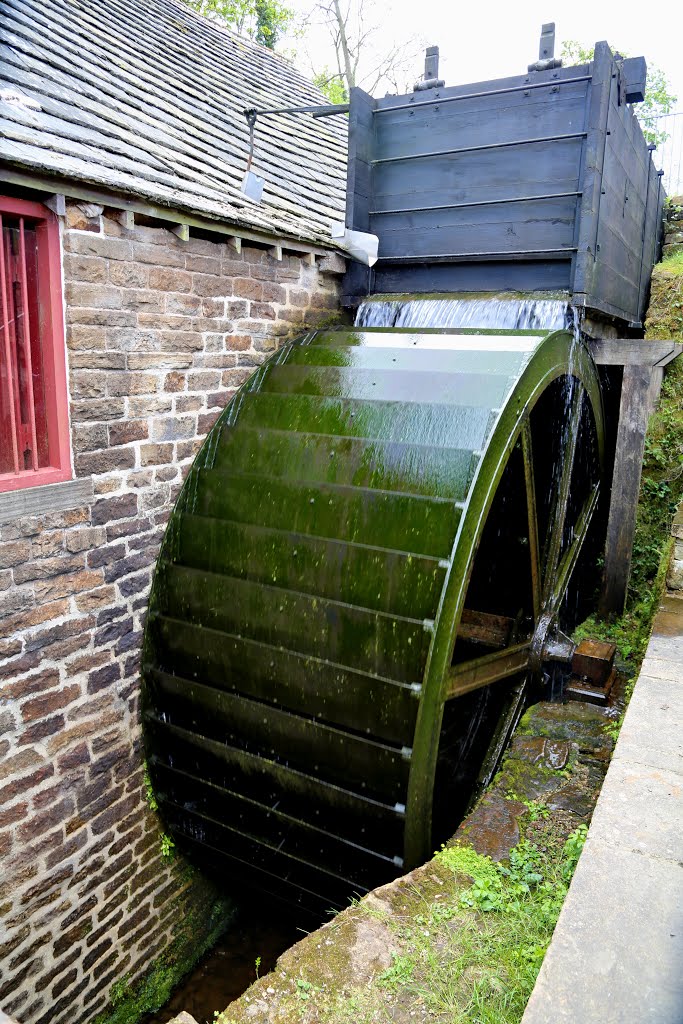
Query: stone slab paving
[{"x": 617, "y": 953}]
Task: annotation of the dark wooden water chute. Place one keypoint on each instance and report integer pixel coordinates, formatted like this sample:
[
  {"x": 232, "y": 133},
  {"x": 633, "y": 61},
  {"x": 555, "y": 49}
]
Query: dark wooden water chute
[
  {"x": 535, "y": 182},
  {"x": 373, "y": 534}
]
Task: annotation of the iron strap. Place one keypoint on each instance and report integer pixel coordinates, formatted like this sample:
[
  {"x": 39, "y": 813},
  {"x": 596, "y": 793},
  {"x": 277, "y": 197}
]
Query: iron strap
[
  {"x": 478, "y": 149},
  {"x": 487, "y": 92}
]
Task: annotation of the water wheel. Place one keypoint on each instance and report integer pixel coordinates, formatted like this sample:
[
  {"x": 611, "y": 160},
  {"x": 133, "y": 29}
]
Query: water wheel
[{"x": 375, "y": 544}]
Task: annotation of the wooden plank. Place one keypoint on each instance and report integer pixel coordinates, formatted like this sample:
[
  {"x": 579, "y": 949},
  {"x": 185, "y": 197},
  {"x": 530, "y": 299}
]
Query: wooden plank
[
  {"x": 633, "y": 352},
  {"x": 630, "y": 445},
  {"x": 480, "y": 122},
  {"x": 547, "y": 225},
  {"x": 487, "y": 276},
  {"x": 358, "y": 182},
  {"x": 497, "y": 86},
  {"x": 590, "y": 179},
  {"x": 50, "y": 498}
]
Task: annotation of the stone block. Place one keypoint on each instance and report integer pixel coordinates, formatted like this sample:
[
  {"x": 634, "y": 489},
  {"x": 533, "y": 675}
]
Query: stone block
[
  {"x": 47, "y": 703},
  {"x": 125, "y": 274},
  {"x": 97, "y": 245},
  {"x": 128, "y": 431},
  {"x": 90, "y": 269},
  {"x": 94, "y": 296},
  {"x": 122, "y": 507}
]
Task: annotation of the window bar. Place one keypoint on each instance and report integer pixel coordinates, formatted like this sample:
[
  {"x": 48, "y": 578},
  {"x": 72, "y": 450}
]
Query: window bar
[
  {"x": 15, "y": 373},
  {"x": 26, "y": 339},
  {"x": 7, "y": 347}
]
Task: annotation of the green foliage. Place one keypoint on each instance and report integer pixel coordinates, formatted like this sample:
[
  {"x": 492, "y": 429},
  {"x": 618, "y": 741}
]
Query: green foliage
[
  {"x": 537, "y": 809},
  {"x": 399, "y": 974},
  {"x": 149, "y": 791},
  {"x": 673, "y": 265},
  {"x": 658, "y": 100},
  {"x": 129, "y": 1000},
  {"x": 304, "y": 989},
  {"x": 262, "y": 20},
  {"x": 257, "y": 964},
  {"x": 167, "y": 847},
  {"x": 332, "y": 85}
]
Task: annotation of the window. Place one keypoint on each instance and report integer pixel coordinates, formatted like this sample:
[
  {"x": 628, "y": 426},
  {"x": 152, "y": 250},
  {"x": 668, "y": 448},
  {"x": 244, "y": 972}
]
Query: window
[{"x": 34, "y": 421}]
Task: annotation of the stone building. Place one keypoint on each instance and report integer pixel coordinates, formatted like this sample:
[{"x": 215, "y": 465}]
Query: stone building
[{"x": 138, "y": 289}]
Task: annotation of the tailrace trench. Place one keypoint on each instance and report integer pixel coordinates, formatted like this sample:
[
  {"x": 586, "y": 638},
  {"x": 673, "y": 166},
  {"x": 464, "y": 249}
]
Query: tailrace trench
[{"x": 558, "y": 757}]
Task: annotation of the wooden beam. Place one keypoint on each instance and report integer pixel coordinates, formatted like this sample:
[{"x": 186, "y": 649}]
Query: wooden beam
[
  {"x": 634, "y": 352},
  {"x": 634, "y": 412},
  {"x": 126, "y": 219},
  {"x": 276, "y": 252},
  {"x": 182, "y": 231},
  {"x": 56, "y": 203},
  {"x": 74, "y": 190},
  {"x": 236, "y": 243}
]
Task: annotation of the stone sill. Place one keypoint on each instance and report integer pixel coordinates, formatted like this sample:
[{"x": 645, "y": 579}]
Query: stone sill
[{"x": 36, "y": 501}]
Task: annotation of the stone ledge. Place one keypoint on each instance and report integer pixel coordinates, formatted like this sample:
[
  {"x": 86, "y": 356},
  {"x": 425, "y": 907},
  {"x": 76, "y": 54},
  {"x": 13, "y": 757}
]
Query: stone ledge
[
  {"x": 617, "y": 948},
  {"x": 33, "y": 501}
]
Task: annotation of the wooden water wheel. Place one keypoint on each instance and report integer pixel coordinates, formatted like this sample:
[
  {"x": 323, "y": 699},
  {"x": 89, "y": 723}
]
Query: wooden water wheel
[{"x": 375, "y": 544}]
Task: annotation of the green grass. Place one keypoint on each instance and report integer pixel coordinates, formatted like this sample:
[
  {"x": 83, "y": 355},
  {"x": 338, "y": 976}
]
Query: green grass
[
  {"x": 466, "y": 953},
  {"x": 673, "y": 264}
]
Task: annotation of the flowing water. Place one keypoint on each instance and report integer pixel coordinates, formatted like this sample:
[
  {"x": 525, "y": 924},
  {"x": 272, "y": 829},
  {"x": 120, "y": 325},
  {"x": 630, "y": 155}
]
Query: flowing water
[{"x": 490, "y": 312}]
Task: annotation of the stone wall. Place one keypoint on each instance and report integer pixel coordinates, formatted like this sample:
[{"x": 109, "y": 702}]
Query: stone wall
[
  {"x": 160, "y": 333},
  {"x": 673, "y": 227}
]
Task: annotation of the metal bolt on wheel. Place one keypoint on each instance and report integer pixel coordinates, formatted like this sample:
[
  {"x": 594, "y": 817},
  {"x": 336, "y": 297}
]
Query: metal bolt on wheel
[{"x": 375, "y": 544}]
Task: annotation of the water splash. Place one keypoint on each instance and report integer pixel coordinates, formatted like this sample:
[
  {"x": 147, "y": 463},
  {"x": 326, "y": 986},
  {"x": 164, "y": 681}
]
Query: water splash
[{"x": 490, "y": 312}]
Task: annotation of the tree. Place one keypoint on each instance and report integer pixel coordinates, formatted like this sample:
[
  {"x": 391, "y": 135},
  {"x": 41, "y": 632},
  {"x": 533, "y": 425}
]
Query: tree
[
  {"x": 332, "y": 85},
  {"x": 658, "y": 98},
  {"x": 353, "y": 26},
  {"x": 262, "y": 20}
]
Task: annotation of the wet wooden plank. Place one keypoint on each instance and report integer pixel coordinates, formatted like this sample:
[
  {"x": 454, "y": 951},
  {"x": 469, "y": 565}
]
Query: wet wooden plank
[{"x": 630, "y": 445}]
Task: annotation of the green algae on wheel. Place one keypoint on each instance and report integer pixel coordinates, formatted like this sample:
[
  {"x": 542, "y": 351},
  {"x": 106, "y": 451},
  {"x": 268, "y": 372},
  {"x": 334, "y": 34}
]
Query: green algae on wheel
[{"x": 379, "y": 532}]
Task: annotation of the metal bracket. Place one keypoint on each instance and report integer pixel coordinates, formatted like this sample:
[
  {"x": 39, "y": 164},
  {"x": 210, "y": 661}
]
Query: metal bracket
[
  {"x": 430, "y": 79},
  {"x": 546, "y": 50}
]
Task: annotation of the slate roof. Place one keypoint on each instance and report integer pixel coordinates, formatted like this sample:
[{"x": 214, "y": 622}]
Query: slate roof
[{"x": 145, "y": 97}]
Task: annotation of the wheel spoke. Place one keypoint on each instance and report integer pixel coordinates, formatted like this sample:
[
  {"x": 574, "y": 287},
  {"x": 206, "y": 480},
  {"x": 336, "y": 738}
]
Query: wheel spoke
[
  {"x": 532, "y": 514},
  {"x": 558, "y": 513},
  {"x": 479, "y": 672},
  {"x": 571, "y": 555}
]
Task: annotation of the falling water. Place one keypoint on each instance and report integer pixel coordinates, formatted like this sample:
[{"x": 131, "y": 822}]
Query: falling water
[{"x": 492, "y": 312}]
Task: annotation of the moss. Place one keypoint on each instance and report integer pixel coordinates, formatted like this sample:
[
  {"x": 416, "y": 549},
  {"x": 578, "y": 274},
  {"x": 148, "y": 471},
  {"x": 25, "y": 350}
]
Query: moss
[
  {"x": 200, "y": 930},
  {"x": 665, "y": 313}
]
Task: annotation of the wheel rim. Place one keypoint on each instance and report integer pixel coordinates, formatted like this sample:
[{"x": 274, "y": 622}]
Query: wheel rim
[{"x": 554, "y": 552}]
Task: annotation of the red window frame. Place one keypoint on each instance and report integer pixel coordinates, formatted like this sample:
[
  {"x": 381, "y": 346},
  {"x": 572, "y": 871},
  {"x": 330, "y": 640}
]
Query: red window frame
[{"x": 34, "y": 407}]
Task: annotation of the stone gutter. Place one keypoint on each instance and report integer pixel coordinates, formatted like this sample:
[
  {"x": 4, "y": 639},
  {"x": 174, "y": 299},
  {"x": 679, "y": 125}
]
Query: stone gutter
[{"x": 617, "y": 951}]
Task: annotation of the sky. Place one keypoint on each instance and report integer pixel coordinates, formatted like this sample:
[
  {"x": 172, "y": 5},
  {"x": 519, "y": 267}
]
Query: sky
[{"x": 480, "y": 41}]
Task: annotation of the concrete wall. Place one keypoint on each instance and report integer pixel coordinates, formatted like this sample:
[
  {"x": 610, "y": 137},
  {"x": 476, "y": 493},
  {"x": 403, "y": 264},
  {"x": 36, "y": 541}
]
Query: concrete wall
[{"x": 160, "y": 333}]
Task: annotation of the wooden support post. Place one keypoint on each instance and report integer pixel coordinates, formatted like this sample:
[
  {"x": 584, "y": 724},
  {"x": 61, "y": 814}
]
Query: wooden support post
[
  {"x": 126, "y": 219},
  {"x": 56, "y": 203},
  {"x": 276, "y": 252},
  {"x": 182, "y": 231},
  {"x": 634, "y": 411},
  {"x": 643, "y": 365},
  {"x": 236, "y": 243}
]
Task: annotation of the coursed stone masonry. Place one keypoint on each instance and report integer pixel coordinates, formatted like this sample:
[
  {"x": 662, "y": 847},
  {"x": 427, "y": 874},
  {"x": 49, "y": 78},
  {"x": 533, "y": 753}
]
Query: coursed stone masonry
[{"x": 160, "y": 333}]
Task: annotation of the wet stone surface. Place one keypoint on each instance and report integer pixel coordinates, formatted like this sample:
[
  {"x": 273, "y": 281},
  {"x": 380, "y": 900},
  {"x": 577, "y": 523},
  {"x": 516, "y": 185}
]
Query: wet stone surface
[{"x": 558, "y": 759}]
